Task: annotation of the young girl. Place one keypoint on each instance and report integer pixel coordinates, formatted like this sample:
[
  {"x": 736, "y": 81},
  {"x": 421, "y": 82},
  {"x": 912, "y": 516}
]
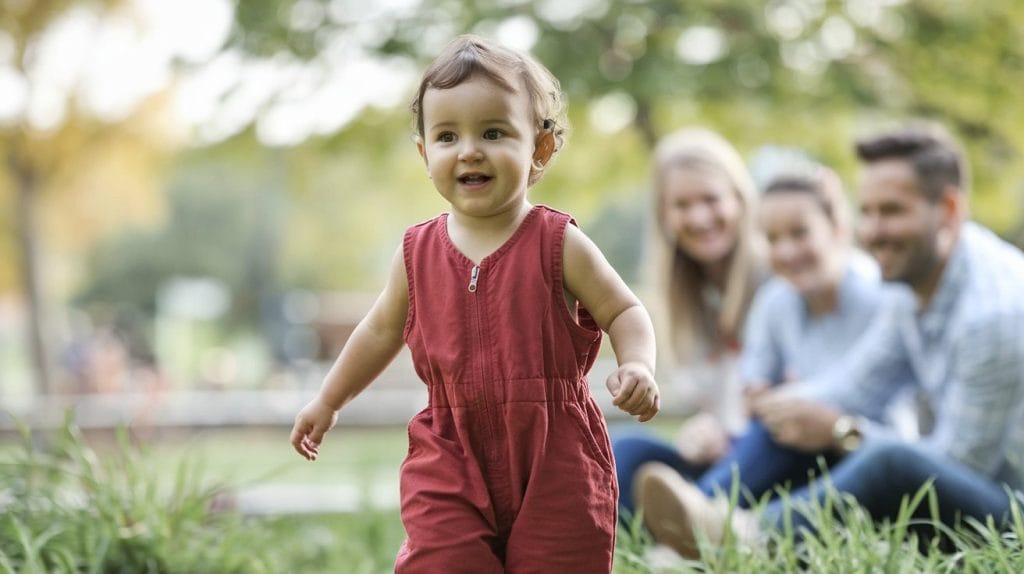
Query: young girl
[
  {"x": 501, "y": 302},
  {"x": 825, "y": 291},
  {"x": 705, "y": 260}
]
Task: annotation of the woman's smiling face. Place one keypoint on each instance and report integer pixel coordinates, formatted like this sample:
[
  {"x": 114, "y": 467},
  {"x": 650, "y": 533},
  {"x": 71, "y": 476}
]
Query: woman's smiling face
[{"x": 702, "y": 211}]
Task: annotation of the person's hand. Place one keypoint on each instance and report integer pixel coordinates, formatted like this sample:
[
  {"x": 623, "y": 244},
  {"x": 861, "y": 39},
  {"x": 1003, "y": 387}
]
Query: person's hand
[
  {"x": 311, "y": 424},
  {"x": 634, "y": 390},
  {"x": 702, "y": 440},
  {"x": 797, "y": 423},
  {"x": 752, "y": 394}
]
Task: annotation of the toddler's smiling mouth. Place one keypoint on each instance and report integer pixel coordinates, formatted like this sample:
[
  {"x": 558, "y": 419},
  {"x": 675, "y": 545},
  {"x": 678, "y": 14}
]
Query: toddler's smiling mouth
[{"x": 474, "y": 178}]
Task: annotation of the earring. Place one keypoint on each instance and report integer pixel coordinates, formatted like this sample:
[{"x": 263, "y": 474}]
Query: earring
[{"x": 537, "y": 165}]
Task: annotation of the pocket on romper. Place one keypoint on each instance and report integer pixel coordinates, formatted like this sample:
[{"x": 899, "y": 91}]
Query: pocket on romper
[
  {"x": 432, "y": 436},
  {"x": 596, "y": 452}
]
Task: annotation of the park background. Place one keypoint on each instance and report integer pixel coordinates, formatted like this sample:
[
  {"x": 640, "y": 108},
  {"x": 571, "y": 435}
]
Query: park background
[{"x": 199, "y": 199}]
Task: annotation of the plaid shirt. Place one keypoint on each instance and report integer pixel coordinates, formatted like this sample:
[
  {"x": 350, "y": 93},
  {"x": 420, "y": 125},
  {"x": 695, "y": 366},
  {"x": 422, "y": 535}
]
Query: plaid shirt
[{"x": 965, "y": 351}]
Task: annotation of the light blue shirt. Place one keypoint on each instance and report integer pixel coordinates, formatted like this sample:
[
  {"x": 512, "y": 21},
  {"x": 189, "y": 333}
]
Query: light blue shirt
[
  {"x": 965, "y": 351},
  {"x": 784, "y": 341}
]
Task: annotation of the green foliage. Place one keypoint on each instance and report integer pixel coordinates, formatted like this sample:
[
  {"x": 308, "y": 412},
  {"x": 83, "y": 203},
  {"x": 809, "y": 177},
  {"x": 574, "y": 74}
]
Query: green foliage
[
  {"x": 363, "y": 543},
  {"x": 220, "y": 226},
  {"x": 68, "y": 507},
  {"x": 631, "y": 544},
  {"x": 809, "y": 73},
  {"x": 71, "y": 509},
  {"x": 847, "y": 540},
  {"x": 328, "y": 214}
]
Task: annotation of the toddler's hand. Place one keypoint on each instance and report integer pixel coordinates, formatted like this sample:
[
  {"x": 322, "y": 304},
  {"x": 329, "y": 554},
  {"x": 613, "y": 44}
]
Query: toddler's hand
[
  {"x": 634, "y": 390},
  {"x": 312, "y": 422}
]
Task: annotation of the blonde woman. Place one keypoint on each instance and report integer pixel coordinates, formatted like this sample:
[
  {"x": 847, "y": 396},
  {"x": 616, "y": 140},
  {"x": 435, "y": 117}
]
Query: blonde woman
[{"x": 705, "y": 261}]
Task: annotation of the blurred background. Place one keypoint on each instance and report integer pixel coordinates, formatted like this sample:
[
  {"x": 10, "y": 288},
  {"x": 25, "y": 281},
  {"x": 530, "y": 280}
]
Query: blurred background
[{"x": 199, "y": 199}]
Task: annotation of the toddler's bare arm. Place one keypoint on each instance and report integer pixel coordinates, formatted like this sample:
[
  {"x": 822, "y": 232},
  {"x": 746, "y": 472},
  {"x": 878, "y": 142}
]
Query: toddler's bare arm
[
  {"x": 373, "y": 345},
  {"x": 592, "y": 280}
]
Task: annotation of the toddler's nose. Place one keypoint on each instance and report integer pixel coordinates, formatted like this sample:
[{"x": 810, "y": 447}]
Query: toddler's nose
[{"x": 470, "y": 152}]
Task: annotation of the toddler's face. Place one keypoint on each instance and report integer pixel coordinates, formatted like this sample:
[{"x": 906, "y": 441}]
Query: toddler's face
[
  {"x": 803, "y": 243},
  {"x": 702, "y": 211},
  {"x": 478, "y": 144}
]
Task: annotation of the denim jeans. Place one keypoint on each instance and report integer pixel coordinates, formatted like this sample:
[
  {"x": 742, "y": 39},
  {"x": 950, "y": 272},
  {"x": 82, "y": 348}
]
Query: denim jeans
[
  {"x": 760, "y": 462},
  {"x": 633, "y": 448},
  {"x": 881, "y": 473}
]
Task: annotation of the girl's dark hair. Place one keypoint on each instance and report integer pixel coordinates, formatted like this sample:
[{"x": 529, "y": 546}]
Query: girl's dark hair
[{"x": 822, "y": 184}]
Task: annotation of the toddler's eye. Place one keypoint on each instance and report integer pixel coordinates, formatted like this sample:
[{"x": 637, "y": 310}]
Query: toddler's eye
[
  {"x": 446, "y": 137},
  {"x": 492, "y": 134}
]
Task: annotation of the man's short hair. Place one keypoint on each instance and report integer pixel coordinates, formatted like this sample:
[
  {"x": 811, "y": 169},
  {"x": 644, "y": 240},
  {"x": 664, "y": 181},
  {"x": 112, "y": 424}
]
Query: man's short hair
[{"x": 936, "y": 158}]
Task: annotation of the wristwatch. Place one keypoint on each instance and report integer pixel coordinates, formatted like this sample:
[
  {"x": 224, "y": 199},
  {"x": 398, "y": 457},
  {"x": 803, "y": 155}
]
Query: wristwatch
[{"x": 846, "y": 433}]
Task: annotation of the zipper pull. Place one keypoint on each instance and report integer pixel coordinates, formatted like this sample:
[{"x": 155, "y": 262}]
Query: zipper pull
[{"x": 473, "y": 277}]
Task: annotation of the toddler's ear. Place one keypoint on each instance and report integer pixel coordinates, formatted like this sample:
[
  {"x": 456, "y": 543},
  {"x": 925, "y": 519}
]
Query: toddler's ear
[
  {"x": 421, "y": 148},
  {"x": 544, "y": 148}
]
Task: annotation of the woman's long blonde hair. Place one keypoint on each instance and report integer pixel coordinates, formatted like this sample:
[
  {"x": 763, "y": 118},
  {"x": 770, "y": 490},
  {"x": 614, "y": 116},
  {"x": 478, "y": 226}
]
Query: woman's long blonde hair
[{"x": 675, "y": 279}]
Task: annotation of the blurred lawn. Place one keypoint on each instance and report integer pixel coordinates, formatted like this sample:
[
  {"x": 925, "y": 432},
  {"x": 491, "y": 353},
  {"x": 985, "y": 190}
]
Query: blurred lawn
[
  {"x": 91, "y": 506},
  {"x": 258, "y": 455},
  {"x": 361, "y": 455},
  {"x": 362, "y": 461}
]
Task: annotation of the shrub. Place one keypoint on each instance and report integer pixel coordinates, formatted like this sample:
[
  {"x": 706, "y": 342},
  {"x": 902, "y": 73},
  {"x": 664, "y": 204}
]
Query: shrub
[{"x": 68, "y": 509}]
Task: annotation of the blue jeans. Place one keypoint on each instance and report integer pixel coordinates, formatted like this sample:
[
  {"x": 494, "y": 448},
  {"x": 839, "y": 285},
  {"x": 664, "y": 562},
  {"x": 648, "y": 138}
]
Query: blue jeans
[
  {"x": 761, "y": 464},
  {"x": 881, "y": 473},
  {"x": 632, "y": 449}
]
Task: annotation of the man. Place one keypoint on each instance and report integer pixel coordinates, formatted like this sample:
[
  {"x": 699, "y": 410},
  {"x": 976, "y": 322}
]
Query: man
[{"x": 957, "y": 335}]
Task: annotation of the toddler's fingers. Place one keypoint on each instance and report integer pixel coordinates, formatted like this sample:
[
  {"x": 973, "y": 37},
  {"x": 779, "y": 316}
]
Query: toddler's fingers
[
  {"x": 317, "y": 435},
  {"x": 613, "y": 384},
  {"x": 298, "y": 437},
  {"x": 628, "y": 387},
  {"x": 312, "y": 449},
  {"x": 652, "y": 410},
  {"x": 641, "y": 398}
]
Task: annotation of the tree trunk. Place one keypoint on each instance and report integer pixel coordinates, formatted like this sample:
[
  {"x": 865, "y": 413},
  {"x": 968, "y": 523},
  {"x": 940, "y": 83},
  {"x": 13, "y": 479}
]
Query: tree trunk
[{"x": 26, "y": 225}]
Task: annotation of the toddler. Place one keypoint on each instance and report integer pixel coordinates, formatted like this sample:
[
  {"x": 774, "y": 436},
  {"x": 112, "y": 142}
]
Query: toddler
[{"x": 503, "y": 305}]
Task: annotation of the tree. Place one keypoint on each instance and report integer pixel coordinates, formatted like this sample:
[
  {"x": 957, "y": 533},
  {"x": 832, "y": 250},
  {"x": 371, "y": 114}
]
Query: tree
[
  {"x": 807, "y": 72},
  {"x": 43, "y": 152}
]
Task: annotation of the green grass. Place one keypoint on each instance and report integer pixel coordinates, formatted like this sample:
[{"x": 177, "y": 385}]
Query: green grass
[
  {"x": 247, "y": 456},
  {"x": 847, "y": 540},
  {"x": 102, "y": 505},
  {"x": 72, "y": 505}
]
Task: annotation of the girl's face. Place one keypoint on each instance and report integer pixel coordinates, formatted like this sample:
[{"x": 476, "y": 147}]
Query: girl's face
[
  {"x": 478, "y": 143},
  {"x": 803, "y": 243},
  {"x": 702, "y": 211}
]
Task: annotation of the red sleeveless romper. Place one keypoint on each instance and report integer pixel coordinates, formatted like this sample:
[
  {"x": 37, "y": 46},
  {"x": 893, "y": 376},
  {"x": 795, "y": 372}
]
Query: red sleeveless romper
[{"x": 509, "y": 467}]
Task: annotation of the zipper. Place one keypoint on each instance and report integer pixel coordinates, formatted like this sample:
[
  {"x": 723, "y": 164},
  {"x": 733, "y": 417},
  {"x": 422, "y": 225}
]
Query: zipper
[{"x": 473, "y": 276}]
